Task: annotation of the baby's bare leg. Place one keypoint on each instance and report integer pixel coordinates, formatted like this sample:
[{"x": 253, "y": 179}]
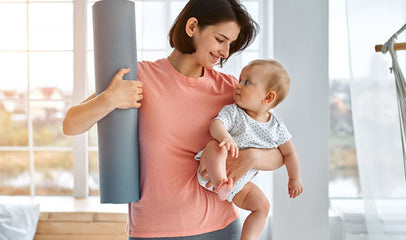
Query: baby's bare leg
[
  {"x": 253, "y": 199},
  {"x": 213, "y": 160}
]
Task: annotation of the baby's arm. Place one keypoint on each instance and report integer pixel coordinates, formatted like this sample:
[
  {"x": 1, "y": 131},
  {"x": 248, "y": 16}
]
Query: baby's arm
[
  {"x": 291, "y": 160},
  {"x": 219, "y": 132}
]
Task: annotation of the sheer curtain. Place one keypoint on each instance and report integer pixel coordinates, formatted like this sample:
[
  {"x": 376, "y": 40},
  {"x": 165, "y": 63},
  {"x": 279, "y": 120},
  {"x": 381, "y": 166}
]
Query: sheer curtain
[{"x": 375, "y": 115}]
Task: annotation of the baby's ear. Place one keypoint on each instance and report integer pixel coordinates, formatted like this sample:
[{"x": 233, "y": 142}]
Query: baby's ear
[{"x": 269, "y": 97}]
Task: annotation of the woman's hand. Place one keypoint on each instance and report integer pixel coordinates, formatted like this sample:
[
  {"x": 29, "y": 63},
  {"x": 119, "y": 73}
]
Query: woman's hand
[
  {"x": 122, "y": 93},
  {"x": 119, "y": 94},
  {"x": 261, "y": 159},
  {"x": 238, "y": 167}
]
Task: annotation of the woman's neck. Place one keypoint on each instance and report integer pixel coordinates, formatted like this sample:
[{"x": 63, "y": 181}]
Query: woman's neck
[{"x": 185, "y": 64}]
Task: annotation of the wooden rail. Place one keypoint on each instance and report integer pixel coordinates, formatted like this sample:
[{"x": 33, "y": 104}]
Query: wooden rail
[{"x": 397, "y": 46}]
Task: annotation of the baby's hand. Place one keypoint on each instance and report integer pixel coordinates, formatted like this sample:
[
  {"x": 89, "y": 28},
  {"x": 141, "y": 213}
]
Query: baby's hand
[
  {"x": 295, "y": 187},
  {"x": 230, "y": 146}
]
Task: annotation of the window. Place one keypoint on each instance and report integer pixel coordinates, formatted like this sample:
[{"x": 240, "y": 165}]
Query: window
[
  {"x": 355, "y": 28},
  {"x": 344, "y": 178},
  {"x": 354, "y": 64},
  {"x": 36, "y": 58},
  {"x": 42, "y": 76}
]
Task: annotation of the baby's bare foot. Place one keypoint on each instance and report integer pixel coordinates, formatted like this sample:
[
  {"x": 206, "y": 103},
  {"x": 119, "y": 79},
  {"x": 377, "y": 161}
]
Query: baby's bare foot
[{"x": 223, "y": 188}]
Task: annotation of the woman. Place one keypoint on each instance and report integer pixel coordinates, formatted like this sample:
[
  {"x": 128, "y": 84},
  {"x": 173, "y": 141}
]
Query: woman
[{"x": 180, "y": 95}]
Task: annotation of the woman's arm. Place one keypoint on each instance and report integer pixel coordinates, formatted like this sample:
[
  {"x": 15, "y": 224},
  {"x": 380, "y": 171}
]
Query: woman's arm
[
  {"x": 83, "y": 116},
  {"x": 262, "y": 159},
  {"x": 120, "y": 94}
]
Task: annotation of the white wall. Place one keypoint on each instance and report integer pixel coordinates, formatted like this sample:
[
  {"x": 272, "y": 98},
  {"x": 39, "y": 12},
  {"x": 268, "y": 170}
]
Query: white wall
[{"x": 301, "y": 45}]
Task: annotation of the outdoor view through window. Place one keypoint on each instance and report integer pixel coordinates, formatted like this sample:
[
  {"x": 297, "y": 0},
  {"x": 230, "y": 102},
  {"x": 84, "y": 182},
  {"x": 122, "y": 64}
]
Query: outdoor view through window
[
  {"x": 36, "y": 59},
  {"x": 344, "y": 178}
]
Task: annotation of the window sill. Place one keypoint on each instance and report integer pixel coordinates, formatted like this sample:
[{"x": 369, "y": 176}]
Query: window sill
[
  {"x": 346, "y": 207},
  {"x": 347, "y": 217},
  {"x": 66, "y": 204}
]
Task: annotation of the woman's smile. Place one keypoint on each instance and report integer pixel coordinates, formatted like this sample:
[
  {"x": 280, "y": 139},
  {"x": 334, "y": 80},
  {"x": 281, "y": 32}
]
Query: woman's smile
[{"x": 215, "y": 58}]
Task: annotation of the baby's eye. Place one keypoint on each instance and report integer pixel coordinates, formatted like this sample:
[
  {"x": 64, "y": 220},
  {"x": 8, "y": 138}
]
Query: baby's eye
[{"x": 247, "y": 82}]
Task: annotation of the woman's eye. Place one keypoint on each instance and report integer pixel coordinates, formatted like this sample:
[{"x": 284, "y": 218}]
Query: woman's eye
[{"x": 219, "y": 40}]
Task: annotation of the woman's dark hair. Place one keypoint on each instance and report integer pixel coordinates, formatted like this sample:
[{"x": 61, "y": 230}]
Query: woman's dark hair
[{"x": 212, "y": 12}]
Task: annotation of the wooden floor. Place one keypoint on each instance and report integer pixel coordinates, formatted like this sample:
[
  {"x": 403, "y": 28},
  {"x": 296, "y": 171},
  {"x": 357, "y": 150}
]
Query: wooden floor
[{"x": 81, "y": 226}]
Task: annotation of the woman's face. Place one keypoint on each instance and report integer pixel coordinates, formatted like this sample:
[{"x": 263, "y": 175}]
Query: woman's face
[{"x": 213, "y": 42}]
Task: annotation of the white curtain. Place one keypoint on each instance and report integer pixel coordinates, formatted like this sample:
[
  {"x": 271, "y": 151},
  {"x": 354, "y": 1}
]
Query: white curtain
[{"x": 375, "y": 115}]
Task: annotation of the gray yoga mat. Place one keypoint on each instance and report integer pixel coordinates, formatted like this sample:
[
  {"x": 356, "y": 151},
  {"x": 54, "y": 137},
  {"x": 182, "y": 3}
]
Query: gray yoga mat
[{"x": 115, "y": 48}]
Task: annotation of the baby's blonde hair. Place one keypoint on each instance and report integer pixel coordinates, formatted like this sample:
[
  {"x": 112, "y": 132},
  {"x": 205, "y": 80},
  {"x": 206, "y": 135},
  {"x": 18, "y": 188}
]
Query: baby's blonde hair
[{"x": 277, "y": 78}]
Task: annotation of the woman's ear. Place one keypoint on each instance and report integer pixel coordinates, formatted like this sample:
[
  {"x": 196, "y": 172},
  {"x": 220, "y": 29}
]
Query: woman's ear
[
  {"x": 191, "y": 26},
  {"x": 269, "y": 97}
]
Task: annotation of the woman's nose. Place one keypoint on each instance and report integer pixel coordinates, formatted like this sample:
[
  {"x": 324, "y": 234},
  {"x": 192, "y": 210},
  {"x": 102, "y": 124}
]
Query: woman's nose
[{"x": 225, "y": 50}]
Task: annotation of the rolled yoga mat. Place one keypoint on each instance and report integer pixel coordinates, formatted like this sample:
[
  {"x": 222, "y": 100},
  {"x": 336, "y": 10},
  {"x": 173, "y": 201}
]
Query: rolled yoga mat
[{"x": 115, "y": 48}]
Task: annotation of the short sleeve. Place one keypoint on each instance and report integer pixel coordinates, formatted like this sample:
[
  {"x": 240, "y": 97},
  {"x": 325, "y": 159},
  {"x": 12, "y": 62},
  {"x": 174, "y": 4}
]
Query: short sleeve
[
  {"x": 282, "y": 132},
  {"x": 227, "y": 115}
]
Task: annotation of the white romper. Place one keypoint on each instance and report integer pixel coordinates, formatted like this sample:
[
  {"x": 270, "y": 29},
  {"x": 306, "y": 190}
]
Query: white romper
[{"x": 248, "y": 133}]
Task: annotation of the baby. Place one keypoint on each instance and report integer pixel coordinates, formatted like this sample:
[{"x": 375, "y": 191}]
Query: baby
[{"x": 250, "y": 123}]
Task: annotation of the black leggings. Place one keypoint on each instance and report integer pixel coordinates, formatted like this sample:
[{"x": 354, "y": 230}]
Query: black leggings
[{"x": 231, "y": 232}]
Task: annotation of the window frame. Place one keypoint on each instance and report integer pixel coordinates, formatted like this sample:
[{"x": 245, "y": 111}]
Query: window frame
[
  {"x": 28, "y": 100},
  {"x": 80, "y": 90}
]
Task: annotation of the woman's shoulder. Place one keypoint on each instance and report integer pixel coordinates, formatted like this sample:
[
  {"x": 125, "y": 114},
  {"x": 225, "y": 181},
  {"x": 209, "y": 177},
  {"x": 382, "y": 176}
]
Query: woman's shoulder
[
  {"x": 229, "y": 79},
  {"x": 145, "y": 64},
  {"x": 150, "y": 69}
]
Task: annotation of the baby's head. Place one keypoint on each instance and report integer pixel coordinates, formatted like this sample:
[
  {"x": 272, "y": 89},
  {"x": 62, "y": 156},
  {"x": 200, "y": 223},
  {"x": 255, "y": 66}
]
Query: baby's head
[{"x": 265, "y": 82}]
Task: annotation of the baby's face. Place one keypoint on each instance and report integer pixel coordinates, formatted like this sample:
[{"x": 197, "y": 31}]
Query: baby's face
[{"x": 251, "y": 89}]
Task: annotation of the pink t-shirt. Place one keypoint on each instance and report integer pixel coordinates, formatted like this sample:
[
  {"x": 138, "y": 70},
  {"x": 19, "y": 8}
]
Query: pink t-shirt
[{"x": 174, "y": 124}]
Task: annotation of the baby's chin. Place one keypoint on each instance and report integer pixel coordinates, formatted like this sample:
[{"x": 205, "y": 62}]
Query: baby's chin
[
  {"x": 245, "y": 107},
  {"x": 238, "y": 103}
]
